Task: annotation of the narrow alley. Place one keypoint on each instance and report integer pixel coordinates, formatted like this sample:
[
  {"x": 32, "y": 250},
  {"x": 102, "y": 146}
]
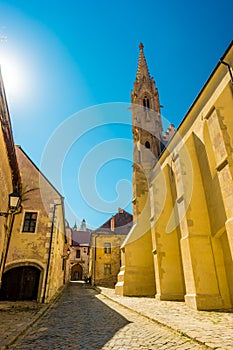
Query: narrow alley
[{"x": 84, "y": 319}]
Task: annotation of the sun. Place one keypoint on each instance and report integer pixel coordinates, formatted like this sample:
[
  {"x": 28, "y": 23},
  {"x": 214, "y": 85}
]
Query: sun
[{"x": 13, "y": 75}]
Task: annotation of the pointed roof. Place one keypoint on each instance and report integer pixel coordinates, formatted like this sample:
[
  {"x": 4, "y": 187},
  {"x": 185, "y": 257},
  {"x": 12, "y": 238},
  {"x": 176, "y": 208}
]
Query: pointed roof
[
  {"x": 83, "y": 226},
  {"x": 22, "y": 155},
  {"x": 142, "y": 70}
]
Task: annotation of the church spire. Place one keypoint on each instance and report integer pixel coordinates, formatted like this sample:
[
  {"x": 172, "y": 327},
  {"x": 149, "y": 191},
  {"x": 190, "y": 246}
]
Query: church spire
[
  {"x": 142, "y": 71},
  {"x": 147, "y": 130}
]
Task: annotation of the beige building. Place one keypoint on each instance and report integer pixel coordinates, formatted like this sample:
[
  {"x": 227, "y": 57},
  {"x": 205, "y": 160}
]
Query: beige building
[
  {"x": 183, "y": 204},
  {"x": 80, "y": 250},
  {"x": 35, "y": 265},
  {"x": 105, "y": 256}
]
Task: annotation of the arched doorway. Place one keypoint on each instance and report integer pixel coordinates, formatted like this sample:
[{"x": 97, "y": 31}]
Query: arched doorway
[
  {"x": 76, "y": 272},
  {"x": 20, "y": 283}
]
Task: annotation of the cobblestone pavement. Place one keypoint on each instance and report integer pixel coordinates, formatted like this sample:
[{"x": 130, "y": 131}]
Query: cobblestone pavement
[
  {"x": 215, "y": 329},
  {"x": 84, "y": 319},
  {"x": 13, "y": 316}
]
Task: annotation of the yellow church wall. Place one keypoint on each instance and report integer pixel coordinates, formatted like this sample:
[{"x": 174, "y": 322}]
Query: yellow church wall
[
  {"x": 217, "y": 217},
  {"x": 205, "y": 279},
  {"x": 210, "y": 181},
  {"x": 225, "y": 264},
  {"x": 201, "y": 279},
  {"x": 137, "y": 274},
  {"x": 191, "y": 207},
  {"x": 220, "y": 129},
  {"x": 165, "y": 238},
  {"x": 224, "y": 268},
  {"x": 206, "y": 211}
]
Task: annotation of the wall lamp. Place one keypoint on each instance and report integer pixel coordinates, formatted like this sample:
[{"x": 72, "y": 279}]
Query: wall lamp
[
  {"x": 13, "y": 203},
  {"x": 67, "y": 254}
]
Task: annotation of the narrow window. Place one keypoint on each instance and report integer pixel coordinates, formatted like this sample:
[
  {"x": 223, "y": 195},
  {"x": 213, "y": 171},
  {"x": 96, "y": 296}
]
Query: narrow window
[
  {"x": 107, "y": 248},
  {"x": 107, "y": 269},
  {"x": 139, "y": 157},
  {"x": 29, "y": 224},
  {"x": 147, "y": 144},
  {"x": 78, "y": 254},
  {"x": 146, "y": 102}
]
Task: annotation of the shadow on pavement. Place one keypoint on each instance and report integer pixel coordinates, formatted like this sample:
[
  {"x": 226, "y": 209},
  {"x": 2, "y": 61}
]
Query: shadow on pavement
[{"x": 78, "y": 320}]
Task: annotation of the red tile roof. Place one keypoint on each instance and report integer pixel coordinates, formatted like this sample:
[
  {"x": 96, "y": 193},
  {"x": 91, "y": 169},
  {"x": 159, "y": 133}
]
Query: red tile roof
[{"x": 119, "y": 223}]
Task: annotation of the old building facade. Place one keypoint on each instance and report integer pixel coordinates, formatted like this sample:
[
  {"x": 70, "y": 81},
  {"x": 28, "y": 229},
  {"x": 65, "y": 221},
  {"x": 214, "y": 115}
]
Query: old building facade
[
  {"x": 185, "y": 226},
  {"x": 80, "y": 250},
  {"x": 105, "y": 255},
  {"x": 35, "y": 264}
]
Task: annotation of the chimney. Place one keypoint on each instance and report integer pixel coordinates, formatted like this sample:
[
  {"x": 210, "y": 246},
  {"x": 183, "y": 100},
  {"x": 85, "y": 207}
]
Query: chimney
[{"x": 112, "y": 223}]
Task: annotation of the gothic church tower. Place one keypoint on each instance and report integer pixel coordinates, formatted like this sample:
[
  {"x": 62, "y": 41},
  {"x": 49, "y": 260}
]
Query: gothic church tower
[
  {"x": 147, "y": 131},
  {"x": 137, "y": 276}
]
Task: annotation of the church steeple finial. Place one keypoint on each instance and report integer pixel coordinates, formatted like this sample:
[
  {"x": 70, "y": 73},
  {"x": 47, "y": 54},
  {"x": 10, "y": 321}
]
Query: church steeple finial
[
  {"x": 141, "y": 46},
  {"x": 142, "y": 71}
]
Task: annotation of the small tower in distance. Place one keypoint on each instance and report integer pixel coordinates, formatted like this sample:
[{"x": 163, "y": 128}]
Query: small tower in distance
[
  {"x": 147, "y": 131},
  {"x": 83, "y": 226}
]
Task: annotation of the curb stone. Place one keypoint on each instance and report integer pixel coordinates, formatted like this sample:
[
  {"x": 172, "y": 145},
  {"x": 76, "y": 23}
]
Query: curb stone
[{"x": 175, "y": 330}]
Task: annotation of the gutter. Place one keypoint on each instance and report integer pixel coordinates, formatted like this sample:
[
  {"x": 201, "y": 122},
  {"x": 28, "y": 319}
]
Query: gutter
[{"x": 229, "y": 68}]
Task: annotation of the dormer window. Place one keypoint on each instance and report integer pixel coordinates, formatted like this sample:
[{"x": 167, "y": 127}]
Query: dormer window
[
  {"x": 146, "y": 102},
  {"x": 147, "y": 144}
]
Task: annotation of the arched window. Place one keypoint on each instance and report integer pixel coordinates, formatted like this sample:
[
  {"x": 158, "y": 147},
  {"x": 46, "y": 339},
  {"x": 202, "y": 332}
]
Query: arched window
[
  {"x": 146, "y": 102},
  {"x": 147, "y": 144}
]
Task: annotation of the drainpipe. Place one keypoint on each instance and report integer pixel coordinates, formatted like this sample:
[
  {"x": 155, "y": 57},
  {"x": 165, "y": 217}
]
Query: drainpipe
[
  {"x": 49, "y": 253},
  {"x": 95, "y": 263},
  {"x": 9, "y": 232},
  {"x": 65, "y": 239},
  {"x": 229, "y": 69},
  {"x": 11, "y": 214}
]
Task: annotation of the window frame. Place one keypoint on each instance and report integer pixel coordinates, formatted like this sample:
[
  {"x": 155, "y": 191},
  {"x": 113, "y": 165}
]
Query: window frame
[
  {"x": 24, "y": 219},
  {"x": 107, "y": 269},
  {"x": 107, "y": 248}
]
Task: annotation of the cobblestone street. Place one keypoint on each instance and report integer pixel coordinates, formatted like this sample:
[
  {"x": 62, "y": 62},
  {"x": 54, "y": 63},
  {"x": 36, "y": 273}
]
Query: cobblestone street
[
  {"x": 13, "y": 316},
  {"x": 84, "y": 319}
]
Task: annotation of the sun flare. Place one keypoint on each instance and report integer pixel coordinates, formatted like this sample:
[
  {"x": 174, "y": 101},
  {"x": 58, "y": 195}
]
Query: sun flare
[{"x": 13, "y": 76}]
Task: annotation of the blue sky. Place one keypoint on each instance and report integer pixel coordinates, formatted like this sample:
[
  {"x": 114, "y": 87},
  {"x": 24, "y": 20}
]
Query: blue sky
[{"x": 59, "y": 59}]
